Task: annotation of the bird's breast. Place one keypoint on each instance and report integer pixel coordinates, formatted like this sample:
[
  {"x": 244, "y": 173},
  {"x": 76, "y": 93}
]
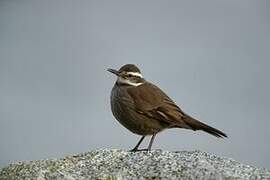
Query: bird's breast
[{"x": 123, "y": 109}]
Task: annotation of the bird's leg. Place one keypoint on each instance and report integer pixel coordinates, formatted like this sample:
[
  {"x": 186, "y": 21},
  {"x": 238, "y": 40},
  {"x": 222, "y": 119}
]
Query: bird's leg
[
  {"x": 138, "y": 144},
  {"x": 151, "y": 142}
]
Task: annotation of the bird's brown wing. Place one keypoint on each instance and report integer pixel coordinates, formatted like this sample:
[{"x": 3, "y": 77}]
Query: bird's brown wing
[{"x": 152, "y": 102}]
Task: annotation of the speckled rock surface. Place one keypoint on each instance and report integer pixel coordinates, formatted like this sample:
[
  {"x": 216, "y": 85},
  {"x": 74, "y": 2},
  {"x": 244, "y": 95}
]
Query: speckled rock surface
[{"x": 120, "y": 164}]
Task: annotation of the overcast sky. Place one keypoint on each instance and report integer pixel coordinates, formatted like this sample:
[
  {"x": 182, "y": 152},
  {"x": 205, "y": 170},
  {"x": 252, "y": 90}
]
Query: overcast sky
[{"x": 211, "y": 57}]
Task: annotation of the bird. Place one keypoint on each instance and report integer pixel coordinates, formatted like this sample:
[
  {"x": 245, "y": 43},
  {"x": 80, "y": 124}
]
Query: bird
[{"x": 144, "y": 109}]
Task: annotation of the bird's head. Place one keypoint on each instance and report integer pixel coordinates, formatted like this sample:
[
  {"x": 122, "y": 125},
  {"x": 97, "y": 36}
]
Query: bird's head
[{"x": 128, "y": 74}]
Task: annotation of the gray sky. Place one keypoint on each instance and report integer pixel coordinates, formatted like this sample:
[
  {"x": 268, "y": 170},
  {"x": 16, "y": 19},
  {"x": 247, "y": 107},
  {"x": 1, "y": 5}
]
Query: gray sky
[{"x": 211, "y": 57}]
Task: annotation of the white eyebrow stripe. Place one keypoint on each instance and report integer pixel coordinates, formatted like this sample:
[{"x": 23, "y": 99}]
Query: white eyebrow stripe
[
  {"x": 126, "y": 81},
  {"x": 135, "y": 74}
]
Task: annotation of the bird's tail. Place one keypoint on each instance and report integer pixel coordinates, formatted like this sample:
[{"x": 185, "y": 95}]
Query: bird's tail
[{"x": 197, "y": 125}]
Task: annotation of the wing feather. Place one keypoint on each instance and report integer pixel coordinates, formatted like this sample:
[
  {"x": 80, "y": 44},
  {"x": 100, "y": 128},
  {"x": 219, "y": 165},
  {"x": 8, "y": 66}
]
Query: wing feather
[{"x": 152, "y": 102}]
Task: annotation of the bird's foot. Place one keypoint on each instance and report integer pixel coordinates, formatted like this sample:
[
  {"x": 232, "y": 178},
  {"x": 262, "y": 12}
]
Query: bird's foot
[{"x": 138, "y": 150}]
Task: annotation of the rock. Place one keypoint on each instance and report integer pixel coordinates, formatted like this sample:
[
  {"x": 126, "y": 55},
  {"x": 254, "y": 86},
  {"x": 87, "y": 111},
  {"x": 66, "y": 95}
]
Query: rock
[{"x": 120, "y": 164}]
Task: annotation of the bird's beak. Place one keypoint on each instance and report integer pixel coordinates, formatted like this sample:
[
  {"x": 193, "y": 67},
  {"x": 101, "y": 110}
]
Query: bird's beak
[{"x": 113, "y": 71}]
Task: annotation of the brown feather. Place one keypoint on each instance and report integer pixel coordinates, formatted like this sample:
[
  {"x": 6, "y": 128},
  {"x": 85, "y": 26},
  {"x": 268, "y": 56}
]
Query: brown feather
[
  {"x": 197, "y": 125},
  {"x": 152, "y": 102}
]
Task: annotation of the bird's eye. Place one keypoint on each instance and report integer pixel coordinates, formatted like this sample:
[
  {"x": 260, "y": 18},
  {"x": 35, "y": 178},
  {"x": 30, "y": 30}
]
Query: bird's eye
[{"x": 129, "y": 75}]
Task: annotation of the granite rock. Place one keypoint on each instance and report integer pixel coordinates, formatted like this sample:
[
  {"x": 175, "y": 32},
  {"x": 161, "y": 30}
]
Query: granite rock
[{"x": 120, "y": 164}]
